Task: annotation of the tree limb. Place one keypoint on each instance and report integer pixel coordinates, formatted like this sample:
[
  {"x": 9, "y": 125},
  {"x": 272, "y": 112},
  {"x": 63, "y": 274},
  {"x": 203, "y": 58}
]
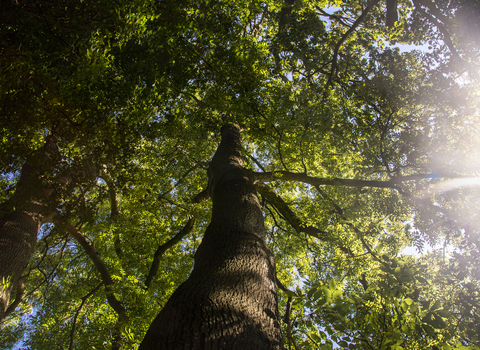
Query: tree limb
[
  {"x": 18, "y": 298},
  {"x": 439, "y": 20},
  {"x": 101, "y": 267},
  {"x": 359, "y": 234},
  {"x": 114, "y": 212},
  {"x": 163, "y": 248},
  {"x": 318, "y": 181},
  {"x": 74, "y": 324},
  {"x": 441, "y": 27},
  {"x": 282, "y": 287},
  {"x": 279, "y": 204},
  {"x": 335, "y": 17},
  {"x": 344, "y": 37},
  {"x": 392, "y": 14},
  {"x": 287, "y": 213}
]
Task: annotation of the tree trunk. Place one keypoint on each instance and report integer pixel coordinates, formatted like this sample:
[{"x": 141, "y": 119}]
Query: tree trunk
[
  {"x": 392, "y": 14},
  {"x": 18, "y": 231},
  {"x": 230, "y": 299}
]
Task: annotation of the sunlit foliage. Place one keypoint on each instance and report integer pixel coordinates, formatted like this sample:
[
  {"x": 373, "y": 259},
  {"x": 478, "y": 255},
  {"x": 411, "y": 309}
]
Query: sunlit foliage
[{"x": 137, "y": 92}]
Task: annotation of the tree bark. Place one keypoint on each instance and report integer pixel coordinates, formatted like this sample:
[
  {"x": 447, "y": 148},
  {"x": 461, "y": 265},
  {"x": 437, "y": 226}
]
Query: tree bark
[
  {"x": 230, "y": 299},
  {"x": 18, "y": 230},
  {"x": 36, "y": 196},
  {"x": 392, "y": 14}
]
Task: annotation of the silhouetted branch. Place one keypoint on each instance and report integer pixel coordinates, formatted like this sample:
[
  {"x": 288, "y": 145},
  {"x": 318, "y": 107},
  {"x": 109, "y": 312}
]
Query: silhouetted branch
[
  {"x": 74, "y": 324},
  {"x": 114, "y": 212},
  {"x": 392, "y": 14},
  {"x": 279, "y": 204},
  {"x": 318, "y": 181},
  {"x": 163, "y": 248},
  {"x": 344, "y": 37},
  {"x": 18, "y": 298},
  {"x": 101, "y": 268}
]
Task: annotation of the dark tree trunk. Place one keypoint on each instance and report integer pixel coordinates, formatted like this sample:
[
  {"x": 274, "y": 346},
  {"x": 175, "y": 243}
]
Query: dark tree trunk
[
  {"x": 19, "y": 226},
  {"x": 392, "y": 14},
  {"x": 230, "y": 299}
]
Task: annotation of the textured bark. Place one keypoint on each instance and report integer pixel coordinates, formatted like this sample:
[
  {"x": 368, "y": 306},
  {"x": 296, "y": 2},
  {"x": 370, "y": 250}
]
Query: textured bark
[
  {"x": 18, "y": 235},
  {"x": 230, "y": 299},
  {"x": 392, "y": 14},
  {"x": 18, "y": 230}
]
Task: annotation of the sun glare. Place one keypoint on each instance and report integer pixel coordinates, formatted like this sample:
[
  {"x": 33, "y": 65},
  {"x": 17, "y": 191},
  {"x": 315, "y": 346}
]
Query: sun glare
[{"x": 452, "y": 184}]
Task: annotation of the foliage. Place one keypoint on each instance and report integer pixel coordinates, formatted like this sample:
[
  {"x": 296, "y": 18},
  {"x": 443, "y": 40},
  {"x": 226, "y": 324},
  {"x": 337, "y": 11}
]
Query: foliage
[{"x": 137, "y": 91}]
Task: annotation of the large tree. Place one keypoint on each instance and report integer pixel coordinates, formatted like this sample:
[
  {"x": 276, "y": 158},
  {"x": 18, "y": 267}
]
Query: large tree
[
  {"x": 230, "y": 299},
  {"x": 354, "y": 150}
]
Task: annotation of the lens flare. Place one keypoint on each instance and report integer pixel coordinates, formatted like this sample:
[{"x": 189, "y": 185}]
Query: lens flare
[{"x": 452, "y": 184}]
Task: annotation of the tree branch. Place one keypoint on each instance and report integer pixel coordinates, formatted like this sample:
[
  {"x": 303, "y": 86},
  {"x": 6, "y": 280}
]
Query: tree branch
[
  {"x": 283, "y": 288},
  {"x": 318, "y": 181},
  {"x": 18, "y": 298},
  {"x": 163, "y": 248},
  {"x": 114, "y": 212},
  {"x": 333, "y": 16},
  {"x": 441, "y": 27},
  {"x": 437, "y": 18},
  {"x": 344, "y": 37},
  {"x": 287, "y": 213},
  {"x": 279, "y": 204},
  {"x": 74, "y": 324},
  {"x": 359, "y": 234},
  {"x": 101, "y": 267},
  {"x": 392, "y": 14}
]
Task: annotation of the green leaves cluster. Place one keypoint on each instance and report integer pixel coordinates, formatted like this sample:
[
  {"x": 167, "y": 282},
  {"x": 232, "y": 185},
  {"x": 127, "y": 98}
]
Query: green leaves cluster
[{"x": 135, "y": 94}]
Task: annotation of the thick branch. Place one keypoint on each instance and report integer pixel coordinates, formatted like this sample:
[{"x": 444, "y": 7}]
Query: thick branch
[
  {"x": 318, "y": 181},
  {"x": 292, "y": 218},
  {"x": 114, "y": 212},
  {"x": 18, "y": 298},
  {"x": 288, "y": 213},
  {"x": 163, "y": 248},
  {"x": 344, "y": 37},
  {"x": 101, "y": 267},
  {"x": 283, "y": 288},
  {"x": 205, "y": 194},
  {"x": 392, "y": 14}
]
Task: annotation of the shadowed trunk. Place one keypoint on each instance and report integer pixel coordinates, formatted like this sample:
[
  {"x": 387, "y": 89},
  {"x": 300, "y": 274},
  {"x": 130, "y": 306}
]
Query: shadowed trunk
[
  {"x": 19, "y": 226},
  {"x": 36, "y": 196},
  {"x": 230, "y": 299},
  {"x": 392, "y": 14}
]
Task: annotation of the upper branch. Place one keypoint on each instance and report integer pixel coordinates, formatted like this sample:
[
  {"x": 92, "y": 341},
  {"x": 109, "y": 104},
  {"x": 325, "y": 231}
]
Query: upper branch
[
  {"x": 344, "y": 37},
  {"x": 318, "y": 181},
  {"x": 163, "y": 248},
  {"x": 101, "y": 267},
  {"x": 292, "y": 218}
]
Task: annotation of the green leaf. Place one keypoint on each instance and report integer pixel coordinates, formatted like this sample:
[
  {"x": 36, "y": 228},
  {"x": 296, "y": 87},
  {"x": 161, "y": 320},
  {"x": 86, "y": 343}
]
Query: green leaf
[
  {"x": 429, "y": 330},
  {"x": 437, "y": 305},
  {"x": 443, "y": 313},
  {"x": 437, "y": 322},
  {"x": 332, "y": 285}
]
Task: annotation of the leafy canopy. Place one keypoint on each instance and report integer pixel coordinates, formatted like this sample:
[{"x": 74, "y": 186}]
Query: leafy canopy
[{"x": 324, "y": 90}]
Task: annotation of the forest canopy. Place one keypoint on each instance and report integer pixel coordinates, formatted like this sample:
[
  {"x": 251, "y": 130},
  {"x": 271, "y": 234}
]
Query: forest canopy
[{"x": 360, "y": 123}]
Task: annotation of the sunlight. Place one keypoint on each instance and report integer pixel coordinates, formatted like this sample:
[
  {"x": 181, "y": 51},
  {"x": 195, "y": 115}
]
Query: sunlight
[{"x": 452, "y": 184}]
